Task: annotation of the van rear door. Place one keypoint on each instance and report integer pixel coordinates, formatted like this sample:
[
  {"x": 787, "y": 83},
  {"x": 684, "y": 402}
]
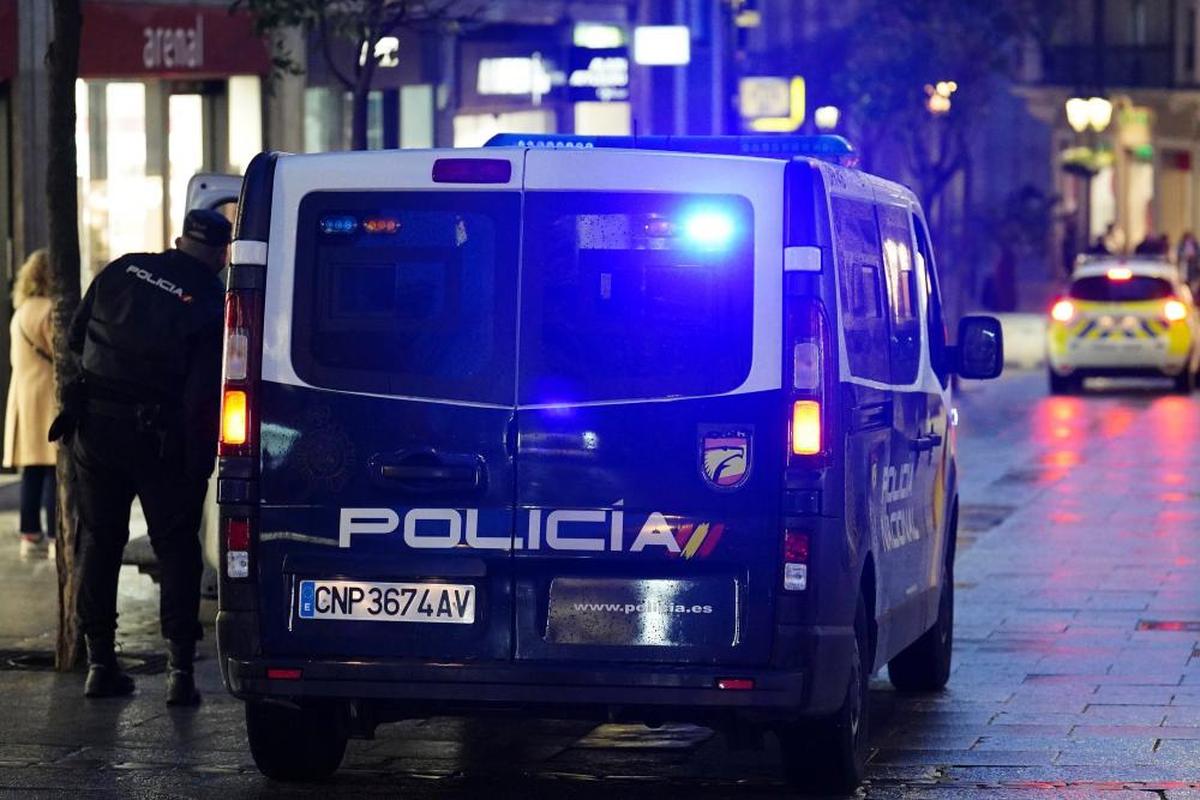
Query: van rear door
[
  {"x": 386, "y": 405},
  {"x": 651, "y": 425}
]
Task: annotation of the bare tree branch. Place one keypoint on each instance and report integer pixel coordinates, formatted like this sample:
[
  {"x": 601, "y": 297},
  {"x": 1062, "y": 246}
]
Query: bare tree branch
[{"x": 326, "y": 47}]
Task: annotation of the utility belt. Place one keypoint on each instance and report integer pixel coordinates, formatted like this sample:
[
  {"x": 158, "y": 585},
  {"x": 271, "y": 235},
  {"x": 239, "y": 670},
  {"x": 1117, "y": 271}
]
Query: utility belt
[{"x": 148, "y": 416}]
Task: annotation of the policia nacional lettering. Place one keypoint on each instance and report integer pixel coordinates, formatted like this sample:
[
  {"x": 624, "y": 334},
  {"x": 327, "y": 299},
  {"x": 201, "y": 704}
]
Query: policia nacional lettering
[{"x": 898, "y": 526}]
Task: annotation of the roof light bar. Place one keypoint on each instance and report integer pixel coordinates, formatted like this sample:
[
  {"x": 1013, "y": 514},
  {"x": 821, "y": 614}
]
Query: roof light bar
[{"x": 827, "y": 147}]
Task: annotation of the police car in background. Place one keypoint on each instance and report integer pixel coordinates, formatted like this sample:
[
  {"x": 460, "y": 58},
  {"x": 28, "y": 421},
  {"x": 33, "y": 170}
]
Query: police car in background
[
  {"x": 653, "y": 430},
  {"x": 1123, "y": 317}
]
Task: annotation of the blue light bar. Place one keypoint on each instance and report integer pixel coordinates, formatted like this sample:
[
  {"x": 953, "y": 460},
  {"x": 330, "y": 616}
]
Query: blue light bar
[
  {"x": 709, "y": 228},
  {"x": 825, "y": 147}
]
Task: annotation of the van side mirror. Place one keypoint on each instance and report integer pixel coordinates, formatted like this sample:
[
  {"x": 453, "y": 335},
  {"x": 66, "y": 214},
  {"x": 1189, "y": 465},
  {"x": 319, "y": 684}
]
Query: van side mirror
[{"x": 979, "y": 353}]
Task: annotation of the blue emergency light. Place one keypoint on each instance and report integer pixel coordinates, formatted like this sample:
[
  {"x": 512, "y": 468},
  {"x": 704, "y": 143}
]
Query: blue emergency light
[
  {"x": 825, "y": 147},
  {"x": 709, "y": 229}
]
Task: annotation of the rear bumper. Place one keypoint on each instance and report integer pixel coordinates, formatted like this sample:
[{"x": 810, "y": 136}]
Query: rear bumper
[
  {"x": 541, "y": 689},
  {"x": 1164, "y": 355},
  {"x": 1109, "y": 371}
]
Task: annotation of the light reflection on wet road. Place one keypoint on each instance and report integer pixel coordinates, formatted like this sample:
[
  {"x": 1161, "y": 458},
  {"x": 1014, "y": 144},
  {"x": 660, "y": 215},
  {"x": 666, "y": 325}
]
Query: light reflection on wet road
[{"x": 1076, "y": 671}]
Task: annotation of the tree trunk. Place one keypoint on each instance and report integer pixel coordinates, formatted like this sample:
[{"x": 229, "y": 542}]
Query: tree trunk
[
  {"x": 358, "y": 117},
  {"x": 360, "y": 99},
  {"x": 62, "y": 205}
]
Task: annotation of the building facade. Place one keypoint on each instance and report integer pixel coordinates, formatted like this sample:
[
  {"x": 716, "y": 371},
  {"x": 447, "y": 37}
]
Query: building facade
[{"x": 1135, "y": 178}]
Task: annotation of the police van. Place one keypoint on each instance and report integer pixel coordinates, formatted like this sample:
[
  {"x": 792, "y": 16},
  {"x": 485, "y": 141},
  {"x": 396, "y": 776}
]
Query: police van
[{"x": 647, "y": 430}]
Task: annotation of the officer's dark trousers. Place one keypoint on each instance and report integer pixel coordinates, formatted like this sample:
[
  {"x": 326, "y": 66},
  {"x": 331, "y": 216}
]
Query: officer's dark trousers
[{"x": 114, "y": 461}]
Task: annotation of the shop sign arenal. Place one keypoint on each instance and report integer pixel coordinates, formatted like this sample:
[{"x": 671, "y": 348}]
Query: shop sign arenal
[
  {"x": 8, "y": 39},
  {"x": 130, "y": 39},
  {"x": 598, "y": 75}
]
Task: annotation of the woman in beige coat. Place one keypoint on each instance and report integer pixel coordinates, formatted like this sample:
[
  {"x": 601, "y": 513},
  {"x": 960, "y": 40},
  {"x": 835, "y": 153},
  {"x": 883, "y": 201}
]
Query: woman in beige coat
[{"x": 31, "y": 399}]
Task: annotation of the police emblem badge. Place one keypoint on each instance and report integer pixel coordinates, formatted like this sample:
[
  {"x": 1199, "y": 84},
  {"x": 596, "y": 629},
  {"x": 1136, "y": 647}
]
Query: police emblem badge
[{"x": 725, "y": 456}]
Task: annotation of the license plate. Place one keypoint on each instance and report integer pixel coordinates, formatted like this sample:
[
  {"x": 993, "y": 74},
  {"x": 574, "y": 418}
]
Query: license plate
[{"x": 387, "y": 602}]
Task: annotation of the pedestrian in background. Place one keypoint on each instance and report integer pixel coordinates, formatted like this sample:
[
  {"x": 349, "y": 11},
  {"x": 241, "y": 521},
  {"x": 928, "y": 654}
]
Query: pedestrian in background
[
  {"x": 31, "y": 400},
  {"x": 1187, "y": 260},
  {"x": 143, "y": 422}
]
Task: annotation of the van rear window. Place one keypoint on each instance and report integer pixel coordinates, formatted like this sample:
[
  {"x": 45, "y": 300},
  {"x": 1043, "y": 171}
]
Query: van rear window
[
  {"x": 628, "y": 296},
  {"x": 408, "y": 293},
  {"x": 1102, "y": 289}
]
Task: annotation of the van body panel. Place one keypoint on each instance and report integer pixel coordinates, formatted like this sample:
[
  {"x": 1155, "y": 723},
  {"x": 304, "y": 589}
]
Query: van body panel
[
  {"x": 394, "y": 297},
  {"x": 690, "y": 570},
  {"x": 668, "y": 567},
  {"x": 606, "y": 466},
  {"x": 378, "y": 171},
  {"x": 321, "y": 451}
]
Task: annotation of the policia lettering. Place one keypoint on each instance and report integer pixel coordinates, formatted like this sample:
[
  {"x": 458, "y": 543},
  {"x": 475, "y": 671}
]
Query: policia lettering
[
  {"x": 158, "y": 282},
  {"x": 898, "y": 527},
  {"x": 577, "y": 530}
]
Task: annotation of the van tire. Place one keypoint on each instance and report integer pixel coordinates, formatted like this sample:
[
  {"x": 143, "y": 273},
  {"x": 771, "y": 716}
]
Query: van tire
[
  {"x": 1184, "y": 382},
  {"x": 924, "y": 666},
  {"x": 295, "y": 744},
  {"x": 829, "y": 755},
  {"x": 1063, "y": 384}
]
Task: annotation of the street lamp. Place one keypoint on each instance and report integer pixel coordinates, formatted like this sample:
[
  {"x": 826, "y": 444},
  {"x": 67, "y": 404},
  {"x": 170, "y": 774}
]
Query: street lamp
[
  {"x": 938, "y": 96},
  {"x": 1086, "y": 114},
  {"x": 826, "y": 117},
  {"x": 1093, "y": 112}
]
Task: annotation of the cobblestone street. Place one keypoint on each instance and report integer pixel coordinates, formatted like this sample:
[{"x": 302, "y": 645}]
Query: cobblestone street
[{"x": 1076, "y": 671}]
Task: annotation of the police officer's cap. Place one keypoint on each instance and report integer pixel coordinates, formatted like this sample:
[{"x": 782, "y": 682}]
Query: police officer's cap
[{"x": 207, "y": 227}]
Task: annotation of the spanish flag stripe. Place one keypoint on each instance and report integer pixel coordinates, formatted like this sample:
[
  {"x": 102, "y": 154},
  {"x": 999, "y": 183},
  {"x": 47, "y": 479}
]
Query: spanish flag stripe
[{"x": 697, "y": 539}]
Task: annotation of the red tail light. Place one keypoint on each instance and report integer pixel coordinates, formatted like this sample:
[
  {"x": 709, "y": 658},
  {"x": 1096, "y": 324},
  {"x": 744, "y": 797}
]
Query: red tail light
[
  {"x": 243, "y": 331},
  {"x": 1063, "y": 311},
  {"x": 237, "y": 547},
  {"x": 233, "y": 417},
  {"x": 809, "y": 346},
  {"x": 795, "y": 560},
  {"x": 806, "y": 427}
]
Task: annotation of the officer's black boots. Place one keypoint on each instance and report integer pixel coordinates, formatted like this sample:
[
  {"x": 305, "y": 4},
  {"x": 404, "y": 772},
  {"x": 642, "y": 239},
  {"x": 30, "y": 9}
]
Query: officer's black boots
[
  {"x": 105, "y": 677},
  {"x": 181, "y": 682}
]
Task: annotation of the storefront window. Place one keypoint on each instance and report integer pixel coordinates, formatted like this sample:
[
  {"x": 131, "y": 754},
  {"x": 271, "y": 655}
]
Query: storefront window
[
  {"x": 416, "y": 116},
  {"x": 121, "y": 203},
  {"x": 603, "y": 119},
  {"x": 185, "y": 149},
  {"x": 134, "y": 196},
  {"x": 140, "y": 142},
  {"x": 245, "y": 121},
  {"x": 472, "y": 130},
  {"x": 328, "y": 119}
]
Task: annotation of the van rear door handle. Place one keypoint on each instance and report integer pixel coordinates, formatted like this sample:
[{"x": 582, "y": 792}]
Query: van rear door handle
[
  {"x": 428, "y": 470},
  {"x": 874, "y": 416},
  {"x": 925, "y": 443}
]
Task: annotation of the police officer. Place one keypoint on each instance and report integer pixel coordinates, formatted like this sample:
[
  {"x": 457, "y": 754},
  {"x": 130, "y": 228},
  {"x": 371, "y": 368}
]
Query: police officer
[{"x": 144, "y": 424}]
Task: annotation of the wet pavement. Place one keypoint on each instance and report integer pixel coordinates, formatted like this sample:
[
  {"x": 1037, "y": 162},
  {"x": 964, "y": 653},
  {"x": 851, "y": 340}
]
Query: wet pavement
[{"x": 1077, "y": 668}]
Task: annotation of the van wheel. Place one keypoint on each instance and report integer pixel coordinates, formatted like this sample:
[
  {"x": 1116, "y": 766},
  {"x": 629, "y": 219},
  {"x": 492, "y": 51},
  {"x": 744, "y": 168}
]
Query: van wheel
[
  {"x": 289, "y": 744},
  {"x": 1184, "y": 382},
  {"x": 924, "y": 666},
  {"x": 829, "y": 756},
  {"x": 1063, "y": 384}
]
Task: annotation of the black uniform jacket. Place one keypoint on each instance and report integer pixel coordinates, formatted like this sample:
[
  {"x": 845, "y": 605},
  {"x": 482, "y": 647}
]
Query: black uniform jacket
[{"x": 148, "y": 332}]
